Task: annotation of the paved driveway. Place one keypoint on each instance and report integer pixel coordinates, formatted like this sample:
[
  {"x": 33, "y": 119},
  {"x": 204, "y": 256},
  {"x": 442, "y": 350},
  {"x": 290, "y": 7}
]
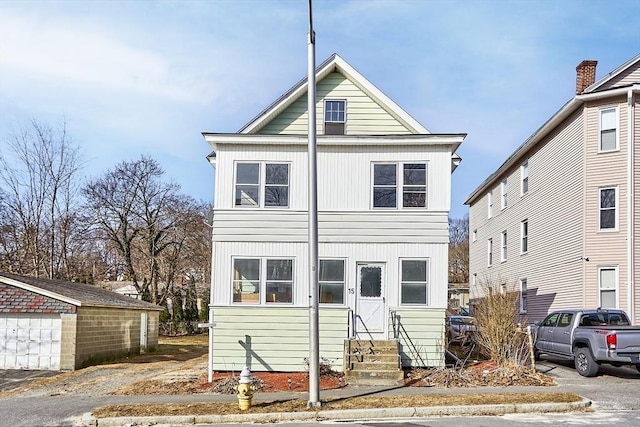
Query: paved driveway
[{"x": 13, "y": 378}]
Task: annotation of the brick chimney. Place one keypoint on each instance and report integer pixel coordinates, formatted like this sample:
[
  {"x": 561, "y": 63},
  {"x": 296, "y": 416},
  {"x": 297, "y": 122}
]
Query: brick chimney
[{"x": 585, "y": 75}]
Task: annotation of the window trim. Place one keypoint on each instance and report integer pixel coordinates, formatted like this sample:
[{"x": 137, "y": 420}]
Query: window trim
[
  {"x": 426, "y": 283},
  {"x": 344, "y": 282},
  {"x": 524, "y": 178},
  {"x": 490, "y": 204},
  {"x": 324, "y": 116},
  {"x": 524, "y": 236},
  {"x": 503, "y": 194},
  {"x": 262, "y": 184},
  {"x": 524, "y": 294},
  {"x": 262, "y": 280},
  {"x": 489, "y": 252},
  {"x": 503, "y": 246},
  {"x": 615, "y": 289},
  {"x": 616, "y": 209},
  {"x": 399, "y": 185},
  {"x": 616, "y": 128}
]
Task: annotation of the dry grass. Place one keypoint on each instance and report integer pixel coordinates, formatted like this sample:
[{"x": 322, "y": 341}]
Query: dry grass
[{"x": 298, "y": 405}]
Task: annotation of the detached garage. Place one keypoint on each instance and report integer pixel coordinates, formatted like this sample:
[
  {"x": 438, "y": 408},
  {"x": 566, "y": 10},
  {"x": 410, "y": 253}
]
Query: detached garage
[{"x": 57, "y": 325}]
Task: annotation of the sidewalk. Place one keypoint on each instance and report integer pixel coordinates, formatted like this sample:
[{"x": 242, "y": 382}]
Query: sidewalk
[{"x": 341, "y": 415}]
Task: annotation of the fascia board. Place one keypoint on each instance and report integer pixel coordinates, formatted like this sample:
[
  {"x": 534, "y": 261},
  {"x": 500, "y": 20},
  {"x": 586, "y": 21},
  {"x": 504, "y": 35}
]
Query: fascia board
[
  {"x": 517, "y": 156},
  {"x": 40, "y": 291}
]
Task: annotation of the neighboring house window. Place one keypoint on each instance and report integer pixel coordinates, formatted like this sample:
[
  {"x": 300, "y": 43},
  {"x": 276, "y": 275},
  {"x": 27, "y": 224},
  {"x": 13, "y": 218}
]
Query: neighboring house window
[
  {"x": 250, "y": 192},
  {"x": 331, "y": 281},
  {"x": 503, "y": 191},
  {"x": 474, "y": 235},
  {"x": 524, "y": 178},
  {"x": 609, "y": 129},
  {"x": 334, "y": 117},
  {"x": 489, "y": 252},
  {"x": 250, "y": 280},
  {"x": 524, "y": 236},
  {"x": 490, "y": 204},
  {"x": 608, "y": 279},
  {"x": 413, "y": 286},
  {"x": 608, "y": 211},
  {"x": 474, "y": 279},
  {"x": 503, "y": 246},
  {"x": 523, "y": 296},
  {"x": 413, "y": 181}
]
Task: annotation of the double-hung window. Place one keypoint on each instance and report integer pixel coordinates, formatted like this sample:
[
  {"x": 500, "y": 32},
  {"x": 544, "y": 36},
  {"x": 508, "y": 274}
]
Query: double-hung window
[
  {"x": 262, "y": 280},
  {"x": 524, "y": 236},
  {"x": 334, "y": 116},
  {"x": 490, "y": 252},
  {"x": 524, "y": 178},
  {"x": 523, "y": 296},
  {"x": 609, "y": 129},
  {"x": 413, "y": 281},
  {"x": 392, "y": 189},
  {"x": 262, "y": 184},
  {"x": 490, "y": 204},
  {"x": 503, "y": 191},
  {"x": 331, "y": 281},
  {"x": 503, "y": 246},
  {"x": 607, "y": 280},
  {"x": 608, "y": 211}
]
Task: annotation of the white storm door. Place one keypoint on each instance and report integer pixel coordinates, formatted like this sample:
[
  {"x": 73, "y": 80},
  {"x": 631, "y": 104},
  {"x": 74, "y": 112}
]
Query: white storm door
[{"x": 370, "y": 301}]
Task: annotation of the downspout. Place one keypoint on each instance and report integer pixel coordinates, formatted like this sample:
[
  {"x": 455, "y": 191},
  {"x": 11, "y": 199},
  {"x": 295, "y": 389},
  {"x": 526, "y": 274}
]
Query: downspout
[{"x": 630, "y": 207}]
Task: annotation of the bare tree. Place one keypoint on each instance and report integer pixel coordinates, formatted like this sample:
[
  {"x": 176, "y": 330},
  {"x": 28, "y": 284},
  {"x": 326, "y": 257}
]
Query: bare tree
[
  {"x": 459, "y": 250},
  {"x": 39, "y": 177}
]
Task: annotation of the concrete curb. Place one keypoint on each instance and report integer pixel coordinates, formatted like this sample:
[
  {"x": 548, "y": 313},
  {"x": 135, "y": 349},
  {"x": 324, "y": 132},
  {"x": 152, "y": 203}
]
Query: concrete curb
[{"x": 342, "y": 415}]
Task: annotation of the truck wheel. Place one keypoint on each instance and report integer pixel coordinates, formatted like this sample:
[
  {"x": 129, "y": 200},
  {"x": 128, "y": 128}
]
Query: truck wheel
[
  {"x": 585, "y": 365},
  {"x": 638, "y": 367},
  {"x": 536, "y": 355}
]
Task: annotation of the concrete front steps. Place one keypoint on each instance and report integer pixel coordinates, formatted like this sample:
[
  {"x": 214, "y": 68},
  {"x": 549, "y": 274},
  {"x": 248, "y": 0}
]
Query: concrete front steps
[{"x": 372, "y": 362}]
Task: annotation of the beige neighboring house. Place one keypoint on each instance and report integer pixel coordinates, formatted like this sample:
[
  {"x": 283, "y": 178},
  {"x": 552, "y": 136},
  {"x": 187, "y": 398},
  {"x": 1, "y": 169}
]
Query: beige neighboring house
[
  {"x": 559, "y": 220},
  {"x": 56, "y": 325},
  {"x": 384, "y": 193}
]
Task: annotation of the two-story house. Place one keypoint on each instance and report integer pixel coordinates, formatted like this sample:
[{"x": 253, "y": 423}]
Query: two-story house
[
  {"x": 384, "y": 184},
  {"x": 558, "y": 220}
]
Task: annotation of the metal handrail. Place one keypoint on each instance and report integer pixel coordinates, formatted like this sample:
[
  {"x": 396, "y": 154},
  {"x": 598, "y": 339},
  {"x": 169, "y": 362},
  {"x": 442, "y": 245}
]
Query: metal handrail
[{"x": 397, "y": 326}]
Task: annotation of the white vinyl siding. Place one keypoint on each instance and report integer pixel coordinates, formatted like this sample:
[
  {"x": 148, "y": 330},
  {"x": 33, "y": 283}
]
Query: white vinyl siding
[
  {"x": 365, "y": 116},
  {"x": 608, "y": 129},
  {"x": 608, "y": 287}
]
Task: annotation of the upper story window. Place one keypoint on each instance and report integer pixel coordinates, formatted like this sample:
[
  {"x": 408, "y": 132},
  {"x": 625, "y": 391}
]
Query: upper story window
[
  {"x": 474, "y": 235},
  {"x": 413, "y": 281},
  {"x": 262, "y": 184},
  {"x": 386, "y": 181},
  {"x": 503, "y": 191},
  {"x": 331, "y": 281},
  {"x": 524, "y": 236},
  {"x": 490, "y": 204},
  {"x": 608, "y": 211},
  {"x": 503, "y": 246},
  {"x": 490, "y": 252},
  {"x": 524, "y": 178},
  {"x": 334, "y": 117},
  {"x": 608, "y": 129}
]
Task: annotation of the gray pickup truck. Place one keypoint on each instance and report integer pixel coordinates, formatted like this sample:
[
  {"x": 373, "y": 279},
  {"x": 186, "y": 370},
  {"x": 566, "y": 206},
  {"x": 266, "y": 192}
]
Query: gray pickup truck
[{"x": 589, "y": 338}]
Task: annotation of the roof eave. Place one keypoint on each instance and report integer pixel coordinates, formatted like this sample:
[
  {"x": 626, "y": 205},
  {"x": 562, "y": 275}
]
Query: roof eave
[{"x": 37, "y": 290}]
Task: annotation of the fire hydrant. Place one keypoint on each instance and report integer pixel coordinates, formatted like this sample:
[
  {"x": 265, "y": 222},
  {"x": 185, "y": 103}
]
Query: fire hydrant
[{"x": 245, "y": 392}]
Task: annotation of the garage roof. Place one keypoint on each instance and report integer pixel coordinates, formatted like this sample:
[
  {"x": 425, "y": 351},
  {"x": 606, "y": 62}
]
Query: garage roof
[{"x": 78, "y": 294}]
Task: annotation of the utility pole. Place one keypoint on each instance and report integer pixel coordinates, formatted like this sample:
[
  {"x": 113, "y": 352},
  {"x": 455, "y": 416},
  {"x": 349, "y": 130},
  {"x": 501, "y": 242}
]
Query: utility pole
[{"x": 314, "y": 340}]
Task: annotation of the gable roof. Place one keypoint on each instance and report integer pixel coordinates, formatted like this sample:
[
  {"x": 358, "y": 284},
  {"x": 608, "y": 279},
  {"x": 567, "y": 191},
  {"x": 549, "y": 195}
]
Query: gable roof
[
  {"x": 78, "y": 294},
  {"x": 332, "y": 64},
  {"x": 589, "y": 94}
]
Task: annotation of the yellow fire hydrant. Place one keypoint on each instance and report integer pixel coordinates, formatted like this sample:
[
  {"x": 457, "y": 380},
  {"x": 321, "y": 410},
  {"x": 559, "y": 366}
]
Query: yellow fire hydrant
[{"x": 245, "y": 392}]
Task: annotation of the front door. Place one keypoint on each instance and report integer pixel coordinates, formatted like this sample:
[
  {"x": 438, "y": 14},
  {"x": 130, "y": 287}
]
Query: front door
[{"x": 370, "y": 301}]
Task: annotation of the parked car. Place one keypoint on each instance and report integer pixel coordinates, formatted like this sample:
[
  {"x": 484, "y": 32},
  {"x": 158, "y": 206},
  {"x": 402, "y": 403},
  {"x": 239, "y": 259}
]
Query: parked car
[
  {"x": 459, "y": 328},
  {"x": 589, "y": 338}
]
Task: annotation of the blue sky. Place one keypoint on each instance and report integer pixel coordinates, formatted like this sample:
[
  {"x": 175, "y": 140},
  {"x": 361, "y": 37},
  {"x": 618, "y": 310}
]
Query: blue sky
[{"x": 147, "y": 77}]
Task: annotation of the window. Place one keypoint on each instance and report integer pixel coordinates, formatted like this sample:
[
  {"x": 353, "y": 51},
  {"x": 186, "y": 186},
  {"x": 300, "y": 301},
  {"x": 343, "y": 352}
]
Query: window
[
  {"x": 250, "y": 192},
  {"x": 489, "y": 204},
  {"x": 255, "y": 276},
  {"x": 503, "y": 246},
  {"x": 489, "y": 252},
  {"x": 334, "y": 117},
  {"x": 331, "y": 281},
  {"x": 524, "y": 178},
  {"x": 413, "y": 282},
  {"x": 503, "y": 191},
  {"x": 474, "y": 235},
  {"x": 523, "y": 296},
  {"x": 608, "y": 279},
  {"x": 608, "y": 129},
  {"x": 608, "y": 212},
  {"x": 551, "y": 320},
  {"x": 414, "y": 185},
  {"x": 565, "y": 320},
  {"x": 524, "y": 236}
]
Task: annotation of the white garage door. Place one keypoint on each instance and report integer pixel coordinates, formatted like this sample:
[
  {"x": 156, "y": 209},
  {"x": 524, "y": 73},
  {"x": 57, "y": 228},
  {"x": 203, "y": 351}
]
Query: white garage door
[{"x": 30, "y": 341}]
